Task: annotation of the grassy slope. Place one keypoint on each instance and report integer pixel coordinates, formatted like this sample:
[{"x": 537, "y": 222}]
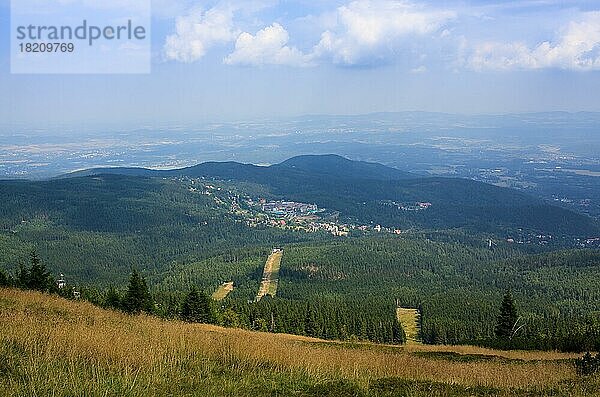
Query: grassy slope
[
  {"x": 223, "y": 290},
  {"x": 409, "y": 318},
  {"x": 268, "y": 285},
  {"x": 50, "y": 346}
]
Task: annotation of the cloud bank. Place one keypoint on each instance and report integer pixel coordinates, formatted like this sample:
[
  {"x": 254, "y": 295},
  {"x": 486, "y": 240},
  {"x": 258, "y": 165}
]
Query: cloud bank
[
  {"x": 577, "y": 48},
  {"x": 369, "y": 29},
  {"x": 373, "y": 32}
]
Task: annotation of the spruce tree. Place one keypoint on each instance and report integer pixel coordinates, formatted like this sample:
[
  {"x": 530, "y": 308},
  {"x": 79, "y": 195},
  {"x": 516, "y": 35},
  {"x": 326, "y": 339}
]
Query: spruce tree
[
  {"x": 21, "y": 276},
  {"x": 137, "y": 299},
  {"x": 310, "y": 322},
  {"x": 196, "y": 308},
  {"x": 112, "y": 300},
  {"x": 508, "y": 317},
  {"x": 37, "y": 277},
  {"x": 171, "y": 307},
  {"x": 231, "y": 318}
]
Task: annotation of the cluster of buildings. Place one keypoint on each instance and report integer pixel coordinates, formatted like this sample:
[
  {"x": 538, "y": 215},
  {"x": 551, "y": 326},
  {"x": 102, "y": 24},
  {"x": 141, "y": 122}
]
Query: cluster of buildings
[
  {"x": 289, "y": 208},
  {"x": 336, "y": 229},
  {"x": 591, "y": 242},
  {"x": 417, "y": 206},
  {"x": 290, "y": 215}
]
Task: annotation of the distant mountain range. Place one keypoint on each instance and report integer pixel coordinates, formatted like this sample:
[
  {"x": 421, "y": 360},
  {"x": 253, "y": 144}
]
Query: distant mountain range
[
  {"x": 416, "y": 141},
  {"x": 329, "y": 165},
  {"x": 371, "y": 192}
]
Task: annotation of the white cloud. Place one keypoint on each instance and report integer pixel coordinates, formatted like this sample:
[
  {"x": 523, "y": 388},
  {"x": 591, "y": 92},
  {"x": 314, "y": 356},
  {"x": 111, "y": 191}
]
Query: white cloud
[
  {"x": 367, "y": 29},
  {"x": 368, "y": 32},
  {"x": 420, "y": 69},
  {"x": 267, "y": 47},
  {"x": 577, "y": 48},
  {"x": 358, "y": 33},
  {"x": 198, "y": 31}
]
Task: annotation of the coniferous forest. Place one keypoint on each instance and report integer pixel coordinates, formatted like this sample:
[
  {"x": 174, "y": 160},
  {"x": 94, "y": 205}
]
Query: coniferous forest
[{"x": 154, "y": 244}]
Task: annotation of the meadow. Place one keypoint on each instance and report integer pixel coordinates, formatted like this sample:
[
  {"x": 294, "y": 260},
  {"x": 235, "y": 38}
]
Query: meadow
[
  {"x": 268, "y": 285},
  {"x": 52, "y": 346},
  {"x": 223, "y": 290},
  {"x": 410, "y": 319}
]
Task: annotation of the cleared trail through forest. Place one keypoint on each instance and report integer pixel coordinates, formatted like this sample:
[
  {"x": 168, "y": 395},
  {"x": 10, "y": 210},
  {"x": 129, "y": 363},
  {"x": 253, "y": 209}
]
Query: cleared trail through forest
[
  {"x": 410, "y": 320},
  {"x": 268, "y": 285},
  {"x": 224, "y": 290}
]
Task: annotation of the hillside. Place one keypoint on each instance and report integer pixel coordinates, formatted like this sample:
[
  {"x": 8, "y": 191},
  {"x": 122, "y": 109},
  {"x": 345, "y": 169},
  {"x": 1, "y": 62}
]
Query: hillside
[
  {"x": 50, "y": 346},
  {"x": 94, "y": 229},
  {"x": 340, "y": 167},
  {"x": 457, "y": 286},
  {"x": 370, "y": 192},
  {"x": 205, "y": 225}
]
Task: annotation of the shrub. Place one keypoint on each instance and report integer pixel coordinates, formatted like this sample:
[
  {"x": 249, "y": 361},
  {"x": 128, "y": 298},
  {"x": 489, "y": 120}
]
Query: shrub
[{"x": 588, "y": 364}]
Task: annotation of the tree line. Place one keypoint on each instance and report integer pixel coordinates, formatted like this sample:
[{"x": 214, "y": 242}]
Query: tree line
[
  {"x": 323, "y": 319},
  {"x": 368, "y": 317}
]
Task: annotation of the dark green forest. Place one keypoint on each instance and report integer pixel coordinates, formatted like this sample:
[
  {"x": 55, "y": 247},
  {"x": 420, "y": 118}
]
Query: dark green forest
[
  {"x": 358, "y": 190},
  {"x": 96, "y": 229}
]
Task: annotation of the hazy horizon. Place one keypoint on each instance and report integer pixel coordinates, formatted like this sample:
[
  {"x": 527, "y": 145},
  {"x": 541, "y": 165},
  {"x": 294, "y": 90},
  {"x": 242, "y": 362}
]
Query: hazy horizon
[{"x": 230, "y": 60}]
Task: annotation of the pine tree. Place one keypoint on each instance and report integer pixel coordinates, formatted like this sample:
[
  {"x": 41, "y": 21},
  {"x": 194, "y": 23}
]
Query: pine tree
[
  {"x": 508, "y": 317},
  {"x": 21, "y": 276},
  {"x": 398, "y": 334},
  {"x": 231, "y": 318},
  {"x": 112, "y": 299},
  {"x": 171, "y": 307},
  {"x": 137, "y": 298},
  {"x": 310, "y": 322},
  {"x": 37, "y": 277},
  {"x": 196, "y": 308}
]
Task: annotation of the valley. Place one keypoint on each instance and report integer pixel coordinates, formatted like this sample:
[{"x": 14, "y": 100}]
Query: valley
[
  {"x": 532, "y": 155},
  {"x": 350, "y": 198},
  {"x": 449, "y": 248},
  {"x": 453, "y": 258}
]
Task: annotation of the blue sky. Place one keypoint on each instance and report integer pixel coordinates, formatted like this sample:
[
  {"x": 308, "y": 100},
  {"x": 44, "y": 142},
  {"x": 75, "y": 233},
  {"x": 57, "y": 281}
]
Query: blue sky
[{"x": 245, "y": 59}]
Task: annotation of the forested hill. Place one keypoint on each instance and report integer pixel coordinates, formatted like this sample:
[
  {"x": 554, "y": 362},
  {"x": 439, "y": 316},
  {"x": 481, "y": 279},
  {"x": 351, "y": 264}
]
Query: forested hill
[
  {"x": 331, "y": 166},
  {"x": 340, "y": 167},
  {"x": 370, "y": 192}
]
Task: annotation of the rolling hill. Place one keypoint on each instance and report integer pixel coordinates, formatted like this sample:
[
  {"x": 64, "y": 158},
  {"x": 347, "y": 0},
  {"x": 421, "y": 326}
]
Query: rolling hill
[
  {"x": 370, "y": 192},
  {"x": 179, "y": 233},
  {"x": 339, "y": 167},
  {"x": 112, "y": 219}
]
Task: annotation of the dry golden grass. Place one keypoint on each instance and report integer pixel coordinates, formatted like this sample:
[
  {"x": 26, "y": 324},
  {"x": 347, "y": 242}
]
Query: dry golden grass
[
  {"x": 524, "y": 355},
  {"x": 60, "y": 341}
]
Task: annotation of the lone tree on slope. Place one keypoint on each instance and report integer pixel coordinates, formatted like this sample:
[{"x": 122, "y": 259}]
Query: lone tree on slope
[
  {"x": 508, "y": 318},
  {"x": 112, "y": 299},
  {"x": 137, "y": 299},
  {"x": 37, "y": 277},
  {"x": 196, "y": 308}
]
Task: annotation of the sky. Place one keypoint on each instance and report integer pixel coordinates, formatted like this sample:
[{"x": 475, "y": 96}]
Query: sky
[{"x": 250, "y": 59}]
